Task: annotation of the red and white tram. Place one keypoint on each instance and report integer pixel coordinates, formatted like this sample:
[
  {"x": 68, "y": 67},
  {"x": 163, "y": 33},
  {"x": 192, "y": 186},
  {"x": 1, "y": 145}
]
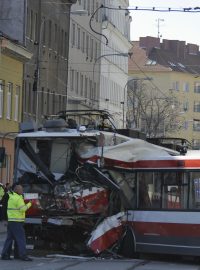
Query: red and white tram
[{"x": 165, "y": 217}]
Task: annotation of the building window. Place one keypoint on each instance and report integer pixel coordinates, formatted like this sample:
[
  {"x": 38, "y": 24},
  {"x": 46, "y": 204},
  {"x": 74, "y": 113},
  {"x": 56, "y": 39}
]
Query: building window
[
  {"x": 17, "y": 103},
  {"x": 87, "y": 45},
  {"x": 42, "y": 101},
  {"x": 196, "y": 125},
  {"x": 48, "y": 101},
  {"x": 55, "y": 36},
  {"x": 196, "y": 144},
  {"x": 31, "y": 24},
  {"x": 186, "y": 87},
  {"x": 73, "y": 34},
  {"x": 176, "y": 86},
  {"x": 185, "y": 106},
  {"x": 35, "y": 27},
  {"x": 72, "y": 80},
  {"x": 9, "y": 101},
  {"x": 83, "y": 41},
  {"x": 1, "y": 97},
  {"x": 61, "y": 42},
  {"x": 196, "y": 106},
  {"x": 81, "y": 85},
  {"x": 53, "y": 102},
  {"x": 96, "y": 50},
  {"x": 84, "y": 4},
  {"x": 29, "y": 96},
  {"x": 86, "y": 86},
  {"x": 44, "y": 32},
  {"x": 95, "y": 92},
  {"x": 77, "y": 81},
  {"x": 88, "y": 7},
  {"x": 185, "y": 125},
  {"x": 50, "y": 34},
  {"x": 90, "y": 96},
  {"x": 97, "y": 13},
  {"x": 28, "y": 23},
  {"x": 65, "y": 45},
  {"x": 197, "y": 87},
  {"x": 79, "y": 38},
  {"x": 92, "y": 48}
]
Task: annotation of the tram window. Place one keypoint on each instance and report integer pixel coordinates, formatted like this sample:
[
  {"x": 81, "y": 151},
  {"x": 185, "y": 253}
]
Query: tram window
[
  {"x": 145, "y": 187},
  {"x": 175, "y": 190},
  {"x": 194, "y": 198},
  {"x": 166, "y": 190}
]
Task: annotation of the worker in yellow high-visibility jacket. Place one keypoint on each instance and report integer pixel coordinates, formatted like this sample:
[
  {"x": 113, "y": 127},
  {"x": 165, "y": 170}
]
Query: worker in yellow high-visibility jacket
[
  {"x": 15, "y": 230},
  {"x": 1, "y": 191}
]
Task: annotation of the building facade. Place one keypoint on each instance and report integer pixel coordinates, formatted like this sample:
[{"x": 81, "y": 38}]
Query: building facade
[
  {"x": 173, "y": 67},
  {"x": 98, "y": 57},
  {"x": 84, "y": 49},
  {"x": 44, "y": 29},
  {"x": 12, "y": 59},
  {"x": 114, "y": 63}
]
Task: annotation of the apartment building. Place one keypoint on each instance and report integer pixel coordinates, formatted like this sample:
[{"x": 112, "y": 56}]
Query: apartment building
[
  {"x": 12, "y": 59},
  {"x": 173, "y": 67},
  {"x": 43, "y": 27},
  {"x": 98, "y": 57}
]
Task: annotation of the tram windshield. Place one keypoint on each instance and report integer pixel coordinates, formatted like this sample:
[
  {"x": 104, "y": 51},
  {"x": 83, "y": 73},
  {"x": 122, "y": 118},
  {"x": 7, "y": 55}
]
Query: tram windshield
[{"x": 168, "y": 190}]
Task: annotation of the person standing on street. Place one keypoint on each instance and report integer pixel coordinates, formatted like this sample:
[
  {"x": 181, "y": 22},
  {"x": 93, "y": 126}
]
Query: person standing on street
[
  {"x": 2, "y": 191},
  {"x": 15, "y": 230}
]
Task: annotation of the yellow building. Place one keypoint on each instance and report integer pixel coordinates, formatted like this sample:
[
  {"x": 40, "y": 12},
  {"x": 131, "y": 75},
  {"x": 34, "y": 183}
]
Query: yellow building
[
  {"x": 12, "y": 58},
  {"x": 174, "y": 69}
]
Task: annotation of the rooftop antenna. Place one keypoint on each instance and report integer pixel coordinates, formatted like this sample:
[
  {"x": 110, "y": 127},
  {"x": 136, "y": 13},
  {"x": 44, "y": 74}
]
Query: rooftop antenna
[{"x": 158, "y": 26}]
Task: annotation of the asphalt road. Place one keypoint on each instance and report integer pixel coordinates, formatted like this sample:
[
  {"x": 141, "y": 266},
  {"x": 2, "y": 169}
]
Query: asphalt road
[{"x": 62, "y": 262}]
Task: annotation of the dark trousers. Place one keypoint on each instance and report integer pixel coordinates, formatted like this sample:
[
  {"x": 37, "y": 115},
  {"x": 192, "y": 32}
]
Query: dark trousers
[{"x": 15, "y": 232}]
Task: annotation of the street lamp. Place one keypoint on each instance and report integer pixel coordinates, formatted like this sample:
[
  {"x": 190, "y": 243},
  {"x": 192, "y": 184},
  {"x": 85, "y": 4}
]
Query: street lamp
[{"x": 125, "y": 87}]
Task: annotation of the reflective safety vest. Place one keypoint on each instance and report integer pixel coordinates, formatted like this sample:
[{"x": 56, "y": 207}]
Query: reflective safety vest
[
  {"x": 17, "y": 207},
  {"x": 1, "y": 192}
]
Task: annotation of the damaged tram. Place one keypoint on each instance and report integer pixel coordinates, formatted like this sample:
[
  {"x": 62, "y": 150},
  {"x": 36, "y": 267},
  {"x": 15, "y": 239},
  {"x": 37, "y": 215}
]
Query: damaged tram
[{"x": 94, "y": 191}]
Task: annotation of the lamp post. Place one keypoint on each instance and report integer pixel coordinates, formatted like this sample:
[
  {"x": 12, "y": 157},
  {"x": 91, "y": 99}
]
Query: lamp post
[{"x": 124, "y": 98}]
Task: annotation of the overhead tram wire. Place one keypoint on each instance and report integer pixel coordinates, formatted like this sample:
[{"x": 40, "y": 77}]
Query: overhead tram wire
[{"x": 156, "y": 9}]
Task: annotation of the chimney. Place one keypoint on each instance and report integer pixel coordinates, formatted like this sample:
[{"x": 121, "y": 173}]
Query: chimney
[
  {"x": 149, "y": 43},
  {"x": 192, "y": 49},
  {"x": 178, "y": 47},
  {"x": 165, "y": 44}
]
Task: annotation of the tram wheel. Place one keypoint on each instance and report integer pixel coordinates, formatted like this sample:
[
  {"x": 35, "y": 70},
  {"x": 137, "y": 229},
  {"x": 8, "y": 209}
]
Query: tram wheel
[{"x": 127, "y": 244}]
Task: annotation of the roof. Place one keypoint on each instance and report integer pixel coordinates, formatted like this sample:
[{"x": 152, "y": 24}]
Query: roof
[
  {"x": 179, "y": 57},
  {"x": 187, "y": 63},
  {"x": 139, "y": 61}
]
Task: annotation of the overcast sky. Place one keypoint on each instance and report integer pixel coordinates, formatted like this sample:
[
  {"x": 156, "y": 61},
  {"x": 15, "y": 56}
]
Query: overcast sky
[{"x": 176, "y": 25}]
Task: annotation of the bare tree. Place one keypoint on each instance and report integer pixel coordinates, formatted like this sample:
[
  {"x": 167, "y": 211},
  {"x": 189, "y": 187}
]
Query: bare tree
[{"x": 151, "y": 111}]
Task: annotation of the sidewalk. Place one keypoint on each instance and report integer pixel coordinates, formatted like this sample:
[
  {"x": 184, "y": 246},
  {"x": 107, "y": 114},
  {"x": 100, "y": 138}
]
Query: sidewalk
[{"x": 3, "y": 226}]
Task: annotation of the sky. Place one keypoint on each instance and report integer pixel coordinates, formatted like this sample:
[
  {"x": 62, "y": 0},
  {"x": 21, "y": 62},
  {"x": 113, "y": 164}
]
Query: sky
[{"x": 183, "y": 26}]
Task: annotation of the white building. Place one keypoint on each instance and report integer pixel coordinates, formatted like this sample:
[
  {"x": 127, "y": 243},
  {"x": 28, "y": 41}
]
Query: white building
[
  {"x": 98, "y": 57},
  {"x": 114, "y": 66}
]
